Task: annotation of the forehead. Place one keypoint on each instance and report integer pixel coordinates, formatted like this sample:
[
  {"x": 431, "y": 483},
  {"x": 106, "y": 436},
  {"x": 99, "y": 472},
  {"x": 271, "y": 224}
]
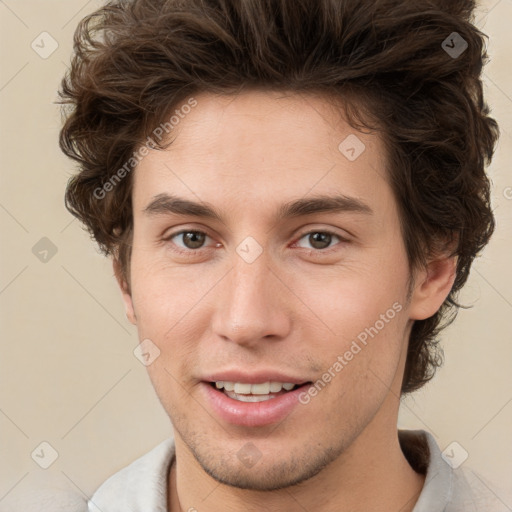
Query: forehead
[{"x": 262, "y": 145}]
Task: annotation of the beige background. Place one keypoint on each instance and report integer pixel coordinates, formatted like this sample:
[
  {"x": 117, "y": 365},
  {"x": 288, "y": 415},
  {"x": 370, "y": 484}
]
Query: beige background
[{"x": 68, "y": 373}]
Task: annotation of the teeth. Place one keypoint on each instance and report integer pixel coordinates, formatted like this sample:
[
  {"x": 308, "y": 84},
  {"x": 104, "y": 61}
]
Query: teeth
[
  {"x": 242, "y": 389},
  {"x": 275, "y": 387},
  {"x": 254, "y": 389},
  {"x": 228, "y": 386},
  {"x": 260, "y": 389},
  {"x": 249, "y": 398}
]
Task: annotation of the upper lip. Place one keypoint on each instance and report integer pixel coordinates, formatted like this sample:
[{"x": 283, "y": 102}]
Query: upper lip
[{"x": 258, "y": 377}]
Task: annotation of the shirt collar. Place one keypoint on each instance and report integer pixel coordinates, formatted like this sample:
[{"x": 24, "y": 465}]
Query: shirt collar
[{"x": 421, "y": 450}]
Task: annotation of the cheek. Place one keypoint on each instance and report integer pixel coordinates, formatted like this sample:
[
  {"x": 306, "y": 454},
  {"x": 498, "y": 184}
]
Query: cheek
[
  {"x": 364, "y": 309},
  {"x": 173, "y": 306},
  {"x": 348, "y": 302},
  {"x": 163, "y": 295}
]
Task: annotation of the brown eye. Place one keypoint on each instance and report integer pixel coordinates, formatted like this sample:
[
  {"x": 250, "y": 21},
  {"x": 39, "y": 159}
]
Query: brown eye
[
  {"x": 190, "y": 239},
  {"x": 319, "y": 240},
  {"x": 193, "y": 239}
]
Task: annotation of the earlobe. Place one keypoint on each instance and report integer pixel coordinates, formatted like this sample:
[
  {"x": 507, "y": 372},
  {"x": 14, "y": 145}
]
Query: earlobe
[
  {"x": 125, "y": 292},
  {"x": 432, "y": 285}
]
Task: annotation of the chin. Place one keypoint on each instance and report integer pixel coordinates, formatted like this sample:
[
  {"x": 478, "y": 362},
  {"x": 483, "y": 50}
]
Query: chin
[
  {"x": 260, "y": 480},
  {"x": 268, "y": 471}
]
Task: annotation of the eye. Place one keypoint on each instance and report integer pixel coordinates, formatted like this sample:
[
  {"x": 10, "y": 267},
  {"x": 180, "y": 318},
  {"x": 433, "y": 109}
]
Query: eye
[
  {"x": 319, "y": 240},
  {"x": 190, "y": 239}
]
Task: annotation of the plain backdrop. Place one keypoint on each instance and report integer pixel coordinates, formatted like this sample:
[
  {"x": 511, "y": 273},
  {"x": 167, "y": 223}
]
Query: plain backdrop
[{"x": 69, "y": 377}]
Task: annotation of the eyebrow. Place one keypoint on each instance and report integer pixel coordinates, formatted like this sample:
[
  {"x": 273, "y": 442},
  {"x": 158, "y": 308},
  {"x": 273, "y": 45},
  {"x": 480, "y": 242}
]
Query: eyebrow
[{"x": 165, "y": 204}]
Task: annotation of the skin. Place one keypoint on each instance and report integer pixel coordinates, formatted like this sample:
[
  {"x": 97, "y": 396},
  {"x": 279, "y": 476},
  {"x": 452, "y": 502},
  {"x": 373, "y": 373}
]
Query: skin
[{"x": 296, "y": 308}]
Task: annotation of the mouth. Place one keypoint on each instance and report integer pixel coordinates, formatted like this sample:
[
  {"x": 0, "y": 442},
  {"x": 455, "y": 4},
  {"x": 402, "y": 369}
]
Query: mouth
[{"x": 252, "y": 404}]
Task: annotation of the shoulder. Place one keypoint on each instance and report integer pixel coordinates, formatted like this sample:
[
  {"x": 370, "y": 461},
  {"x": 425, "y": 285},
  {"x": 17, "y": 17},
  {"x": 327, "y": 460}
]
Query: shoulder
[
  {"x": 449, "y": 487},
  {"x": 472, "y": 492},
  {"x": 141, "y": 486}
]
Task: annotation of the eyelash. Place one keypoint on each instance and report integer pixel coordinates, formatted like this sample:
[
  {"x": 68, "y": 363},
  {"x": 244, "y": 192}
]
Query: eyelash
[{"x": 316, "y": 252}]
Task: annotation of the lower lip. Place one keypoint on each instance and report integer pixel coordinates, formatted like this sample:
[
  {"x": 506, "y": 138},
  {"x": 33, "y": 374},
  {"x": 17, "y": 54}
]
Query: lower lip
[{"x": 252, "y": 414}]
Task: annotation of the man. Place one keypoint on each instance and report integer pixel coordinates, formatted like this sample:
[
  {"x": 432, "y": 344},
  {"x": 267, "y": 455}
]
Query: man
[{"x": 292, "y": 193}]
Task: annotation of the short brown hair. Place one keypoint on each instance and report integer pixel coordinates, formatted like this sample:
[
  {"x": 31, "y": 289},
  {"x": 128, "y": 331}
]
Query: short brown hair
[{"x": 387, "y": 60}]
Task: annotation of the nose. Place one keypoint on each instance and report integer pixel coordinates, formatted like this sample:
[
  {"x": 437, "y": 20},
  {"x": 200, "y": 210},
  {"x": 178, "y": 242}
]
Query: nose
[{"x": 253, "y": 304}]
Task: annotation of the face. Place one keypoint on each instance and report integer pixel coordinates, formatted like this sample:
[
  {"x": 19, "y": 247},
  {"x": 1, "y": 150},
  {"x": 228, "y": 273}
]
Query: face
[{"x": 289, "y": 269}]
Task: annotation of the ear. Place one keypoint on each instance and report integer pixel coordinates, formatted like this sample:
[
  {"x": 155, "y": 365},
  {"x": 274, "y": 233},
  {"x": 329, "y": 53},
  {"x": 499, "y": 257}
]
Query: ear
[
  {"x": 432, "y": 286},
  {"x": 125, "y": 292}
]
